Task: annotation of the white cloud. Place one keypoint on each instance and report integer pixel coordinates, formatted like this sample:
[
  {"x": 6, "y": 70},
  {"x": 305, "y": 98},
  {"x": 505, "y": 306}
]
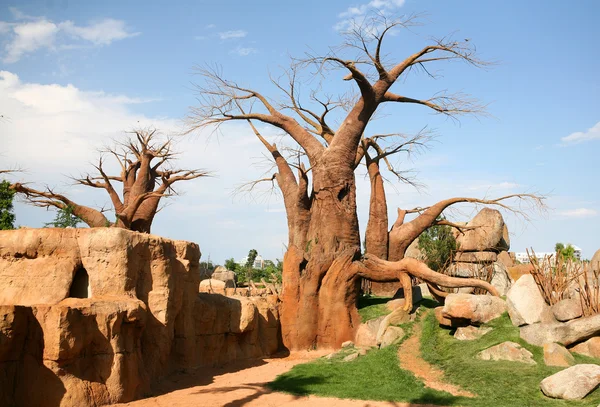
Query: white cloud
[
  {"x": 354, "y": 12},
  {"x": 29, "y": 37},
  {"x": 55, "y": 131},
  {"x": 244, "y": 51},
  {"x": 31, "y": 34},
  {"x": 209, "y": 26},
  {"x": 227, "y": 35},
  {"x": 100, "y": 33},
  {"x": 592, "y": 133},
  {"x": 579, "y": 213}
]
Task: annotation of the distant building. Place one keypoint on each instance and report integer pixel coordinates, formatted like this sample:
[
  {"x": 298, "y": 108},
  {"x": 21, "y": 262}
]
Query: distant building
[
  {"x": 259, "y": 263},
  {"x": 577, "y": 252},
  {"x": 524, "y": 258}
]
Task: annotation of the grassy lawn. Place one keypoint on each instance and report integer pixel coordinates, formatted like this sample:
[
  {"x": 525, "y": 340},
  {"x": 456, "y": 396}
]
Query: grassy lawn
[
  {"x": 496, "y": 383},
  {"x": 377, "y": 375},
  {"x": 372, "y": 307}
]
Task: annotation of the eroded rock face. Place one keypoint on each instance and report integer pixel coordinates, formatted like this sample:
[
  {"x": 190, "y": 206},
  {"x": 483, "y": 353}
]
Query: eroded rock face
[
  {"x": 510, "y": 351},
  {"x": 525, "y": 302},
  {"x": 78, "y": 352},
  {"x": 573, "y": 383},
  {"x": 142, "y": 300},
  {"x": 475, "y": 308}
]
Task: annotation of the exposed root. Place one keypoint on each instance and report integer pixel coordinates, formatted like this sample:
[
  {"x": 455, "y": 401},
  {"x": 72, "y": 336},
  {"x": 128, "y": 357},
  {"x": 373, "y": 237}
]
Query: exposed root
[{"x": 376, "y": 269}]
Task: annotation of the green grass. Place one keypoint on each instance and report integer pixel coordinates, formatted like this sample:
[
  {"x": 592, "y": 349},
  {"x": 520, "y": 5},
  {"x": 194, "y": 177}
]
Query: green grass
[
  {"x": 495, "y": 383},
  {"x": 372, "y": 307},
  {"x": 377, "y": 376}
]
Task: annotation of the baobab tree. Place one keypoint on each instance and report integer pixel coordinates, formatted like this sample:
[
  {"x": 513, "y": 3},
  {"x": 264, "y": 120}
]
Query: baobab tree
[
  {"x": 322, "y": 266},
  {"x": 146, "y": 176}
]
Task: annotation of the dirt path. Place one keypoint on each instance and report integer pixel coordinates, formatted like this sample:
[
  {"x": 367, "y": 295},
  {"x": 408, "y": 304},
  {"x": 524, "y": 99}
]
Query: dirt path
[
  {"x": 239, "y": 385},
  {"x": 409, "y": 355}
]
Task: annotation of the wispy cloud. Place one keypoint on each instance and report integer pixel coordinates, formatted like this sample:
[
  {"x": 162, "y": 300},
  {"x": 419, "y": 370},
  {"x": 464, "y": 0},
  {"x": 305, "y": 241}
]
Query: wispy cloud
[
  {"x": 100, "y": 33},
  {"x": 351, "y": 13},
  {"x": 29, "y": 34},
  {"x": 209, "y": 26},
  {"x": 244, "y": 51},
  {"x": 592, "y": 133},
  {"x": 227, "y": 35},
  {"x": 579, "y": 213}
]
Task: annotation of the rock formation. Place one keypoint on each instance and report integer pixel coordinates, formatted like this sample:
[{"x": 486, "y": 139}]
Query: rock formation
[{"x": 95, "y": 316}]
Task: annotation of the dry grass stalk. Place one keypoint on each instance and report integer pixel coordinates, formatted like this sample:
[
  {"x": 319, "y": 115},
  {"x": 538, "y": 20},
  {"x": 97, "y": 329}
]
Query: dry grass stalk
[
  {"x": 589, "y": 290},
  {"x": 554, "y": 275}
]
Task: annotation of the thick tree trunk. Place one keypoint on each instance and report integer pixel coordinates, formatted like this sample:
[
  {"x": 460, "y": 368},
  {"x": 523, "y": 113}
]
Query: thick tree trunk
[
  {"x": 376, "y": 235},
  {"x": 320, "y": 287}
]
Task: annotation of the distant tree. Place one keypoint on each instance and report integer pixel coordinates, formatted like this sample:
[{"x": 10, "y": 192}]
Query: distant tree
[
  {"x": 64, "y": 218},
  {"x": 230, "y": 264},
  {"x": 567, "y": 252},
  {"x": 251, "y": 257},
  {"x": 437, "y": 245},
  {"x": 7, "y": 217},
  {"x": 146, "y": 176}
]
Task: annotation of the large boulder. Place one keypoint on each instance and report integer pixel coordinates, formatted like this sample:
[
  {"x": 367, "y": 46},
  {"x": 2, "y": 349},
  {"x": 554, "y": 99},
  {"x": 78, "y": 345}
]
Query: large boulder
[
  {"x": 366, "y": 335},
  {"x": 227, "y": 276},
  {"x": 525, "y": 302},
  {"x": 573, "y": 383},
  {"x": 475, "y": 308},
  {"x": 392, "y": 335},
  {"x": 504, "y": 258},
  {"x": 489, "y": 233},
  {"x": 567, "y": 309},
  {"x": 510, "y": 351},
  {"x": 470, "y": 333},
  {"x": 500, "y": 279},
  {"x": 565, "y": 333},
  {"x": 590, "y": 348},
  {"x": 449, "y": 322},
  {"x": 518, "y": 271},
  {"x": 557, "y": 355}
]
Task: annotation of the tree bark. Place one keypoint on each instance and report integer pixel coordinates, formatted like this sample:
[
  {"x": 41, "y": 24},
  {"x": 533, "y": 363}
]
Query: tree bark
[{"x": 320, "y": 288}]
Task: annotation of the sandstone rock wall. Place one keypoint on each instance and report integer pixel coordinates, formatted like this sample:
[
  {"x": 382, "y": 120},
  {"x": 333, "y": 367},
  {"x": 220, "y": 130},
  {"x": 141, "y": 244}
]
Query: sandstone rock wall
[{"x": 143, "y": 319}]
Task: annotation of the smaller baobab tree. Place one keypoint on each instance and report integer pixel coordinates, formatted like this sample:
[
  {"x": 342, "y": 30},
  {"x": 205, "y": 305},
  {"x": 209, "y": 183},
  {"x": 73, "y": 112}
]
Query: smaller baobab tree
[{"x": 147, "y": 175}]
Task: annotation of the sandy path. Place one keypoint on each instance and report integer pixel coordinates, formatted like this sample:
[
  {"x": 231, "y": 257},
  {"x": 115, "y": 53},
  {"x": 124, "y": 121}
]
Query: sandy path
[
  {"x": 409, "y": 355},
  {"x": 239, "y": 385}
]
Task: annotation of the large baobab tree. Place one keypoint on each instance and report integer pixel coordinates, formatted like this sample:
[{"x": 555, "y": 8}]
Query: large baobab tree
[
  {"x": 146, "y": 176},
  {"x": 322, "y": 266}
]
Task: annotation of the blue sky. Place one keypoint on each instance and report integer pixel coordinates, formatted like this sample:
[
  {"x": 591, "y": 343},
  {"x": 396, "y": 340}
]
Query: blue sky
[{"x": 75, "y": 74}]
